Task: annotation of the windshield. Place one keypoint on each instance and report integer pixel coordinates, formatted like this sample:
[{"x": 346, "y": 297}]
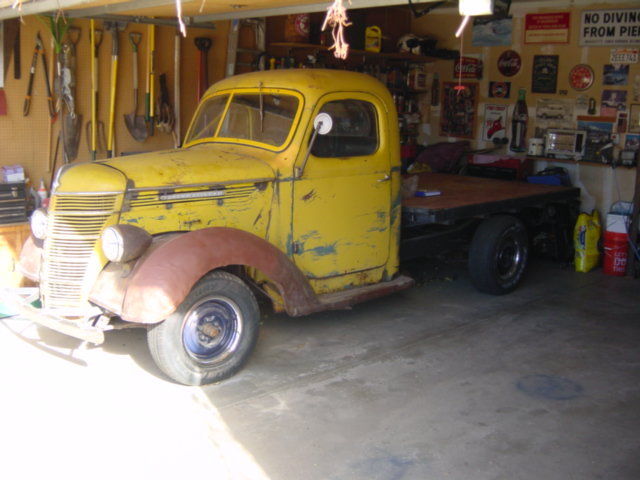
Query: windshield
[{"x": 257, "y": 117}]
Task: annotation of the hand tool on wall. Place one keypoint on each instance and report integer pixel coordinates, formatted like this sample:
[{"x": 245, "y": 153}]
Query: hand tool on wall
[
  {"x": 26, "y": 106},
  {"x": 203, "y": 45},
  {"x": 3, "y": 98},
  {"x": 149, "y": 103},
  {"x": 17, "y": 71},
  {"x": 95, "y": 128},
  {"x": 135, "y": 123},
  {"x": 165, "y": 117},
  {"x": 177, "y": 135},
  {"x": 113, "y": 28},
  {"x": 52, "y": 111},
  {"x": 71, "y": 121}
]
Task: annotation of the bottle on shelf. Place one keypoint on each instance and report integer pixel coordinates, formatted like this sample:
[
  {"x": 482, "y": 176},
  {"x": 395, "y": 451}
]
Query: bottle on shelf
[{"x": 519, "y": 123}]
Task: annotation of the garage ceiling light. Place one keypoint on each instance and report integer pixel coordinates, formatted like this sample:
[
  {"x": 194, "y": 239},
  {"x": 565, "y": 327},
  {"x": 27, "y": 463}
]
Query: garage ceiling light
[{"x": 475, "y": 7}]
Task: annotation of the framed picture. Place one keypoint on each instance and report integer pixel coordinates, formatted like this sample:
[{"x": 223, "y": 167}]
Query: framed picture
[
  {"x": 458, "y": 112},
  {"x": 634, "y": 118},
  {"x": 544, "y": 74}
]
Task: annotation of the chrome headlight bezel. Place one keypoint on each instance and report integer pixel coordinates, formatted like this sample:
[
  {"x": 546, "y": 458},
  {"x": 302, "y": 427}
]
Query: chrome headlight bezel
[
  {"x": 39, "y": 223},
  {"x": 123, "y": 243}
]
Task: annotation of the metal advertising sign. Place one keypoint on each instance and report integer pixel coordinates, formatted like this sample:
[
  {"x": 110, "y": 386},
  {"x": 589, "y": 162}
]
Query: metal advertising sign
[
  {"x": 499, "y": 89},
  {"x": 546, "y": 27},
  {"x": 467, "y": 67},
  {"x": 544, "y": 77},
  {"x": 610, "y": 27},
  {"x": 509, "y": 63}
]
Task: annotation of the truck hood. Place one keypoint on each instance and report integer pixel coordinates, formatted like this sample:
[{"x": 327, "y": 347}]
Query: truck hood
[{"x": 204, "y": 163}]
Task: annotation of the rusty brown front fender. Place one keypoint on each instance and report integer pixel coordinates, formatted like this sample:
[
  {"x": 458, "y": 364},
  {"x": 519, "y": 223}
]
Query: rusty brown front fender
[{"x": 163, "y": 278}]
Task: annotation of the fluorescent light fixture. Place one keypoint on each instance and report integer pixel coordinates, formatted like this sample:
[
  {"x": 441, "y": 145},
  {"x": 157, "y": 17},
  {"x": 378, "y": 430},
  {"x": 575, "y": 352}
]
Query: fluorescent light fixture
[{"x": 475, "y": 7}]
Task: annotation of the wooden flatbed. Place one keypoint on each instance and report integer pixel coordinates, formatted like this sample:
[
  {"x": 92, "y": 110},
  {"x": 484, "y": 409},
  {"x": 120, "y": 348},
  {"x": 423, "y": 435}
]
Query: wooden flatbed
[{"x": 465, "y": 197}]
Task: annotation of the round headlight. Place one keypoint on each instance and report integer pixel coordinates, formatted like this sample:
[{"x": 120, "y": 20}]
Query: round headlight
[
  {"x": 39, "y": 223},
  {"x": 123, "y": 243}
]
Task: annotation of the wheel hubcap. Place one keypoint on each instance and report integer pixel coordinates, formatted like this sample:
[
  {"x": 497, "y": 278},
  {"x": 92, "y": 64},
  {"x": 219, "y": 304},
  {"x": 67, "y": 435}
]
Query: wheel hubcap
[
  {"x": 211, "y": 329},
  {"x": 509, "y": 255}
]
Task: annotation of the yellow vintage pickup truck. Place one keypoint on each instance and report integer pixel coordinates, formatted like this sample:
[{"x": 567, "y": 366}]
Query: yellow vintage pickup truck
[{"x": 288, "y": 186}]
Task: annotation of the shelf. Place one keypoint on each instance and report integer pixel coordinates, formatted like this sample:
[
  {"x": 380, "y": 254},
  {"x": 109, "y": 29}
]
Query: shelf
[
  {"x": 578, "y": 162},
  {"x": 389, "y": 56}
]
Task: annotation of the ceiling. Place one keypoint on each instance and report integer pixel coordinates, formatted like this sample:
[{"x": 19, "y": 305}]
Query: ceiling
[
  {"x": 199, "y": 11},
  {"x": 194, "y": 11}
]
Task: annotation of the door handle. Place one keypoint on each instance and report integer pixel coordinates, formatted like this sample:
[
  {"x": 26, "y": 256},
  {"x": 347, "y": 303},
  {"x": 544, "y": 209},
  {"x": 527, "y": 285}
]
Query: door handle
[{"x": 386, "y": 178}]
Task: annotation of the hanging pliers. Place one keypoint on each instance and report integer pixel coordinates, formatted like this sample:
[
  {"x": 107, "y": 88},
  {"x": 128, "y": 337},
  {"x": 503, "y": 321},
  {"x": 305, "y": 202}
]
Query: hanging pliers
[{"x": 39, "y": 48}]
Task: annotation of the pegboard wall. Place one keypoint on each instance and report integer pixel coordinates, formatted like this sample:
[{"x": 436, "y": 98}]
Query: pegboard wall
[{"x": 28, "y": 140}]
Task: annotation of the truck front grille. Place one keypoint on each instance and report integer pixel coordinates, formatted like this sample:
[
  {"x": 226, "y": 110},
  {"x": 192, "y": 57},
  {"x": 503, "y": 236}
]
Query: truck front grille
[{"x": 75, "y": 225}]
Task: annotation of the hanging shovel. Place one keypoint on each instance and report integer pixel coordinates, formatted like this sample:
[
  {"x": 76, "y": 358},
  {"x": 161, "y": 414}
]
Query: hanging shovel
[
  {"x": 114, "y": 28},
  {"x": 203, "y": 44},
  {"x": 71, "y": 121},
  {"x": 136, "y": 124},
  {"x": 95, "y": 127}
]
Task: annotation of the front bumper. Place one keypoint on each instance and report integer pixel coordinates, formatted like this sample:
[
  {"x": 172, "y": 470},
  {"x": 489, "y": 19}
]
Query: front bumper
[{"x": 19, "y": 300}]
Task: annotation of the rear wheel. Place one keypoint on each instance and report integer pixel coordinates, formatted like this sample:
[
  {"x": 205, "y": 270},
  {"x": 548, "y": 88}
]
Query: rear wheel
[
  {"x": 210, "y": 335},
  {"x": 498, "y": 255}
]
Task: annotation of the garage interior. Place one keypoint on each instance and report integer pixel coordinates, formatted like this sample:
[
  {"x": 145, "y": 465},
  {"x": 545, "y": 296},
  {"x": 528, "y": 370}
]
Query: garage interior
[{"x": 435, "y": 381}]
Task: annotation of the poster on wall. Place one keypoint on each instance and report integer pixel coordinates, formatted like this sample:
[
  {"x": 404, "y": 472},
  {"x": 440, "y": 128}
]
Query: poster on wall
[
  {"x": 615, "y": 75},
  {"x": 544, "y": 77},
  {"x": 599, "y": 130},
  {"x": 634, "y": 118},
  {"x": 620, "y": 26},
  {"x": 458, "y": 113},
  {"x": 632, "y": 142},
  {"x": 491, "y": 32},
  {"x": 553, "y": 113},
  {"x": 546, "y": 27},
  {"x": 495, "y": 122},
  {"x": 613, "y": 101}
]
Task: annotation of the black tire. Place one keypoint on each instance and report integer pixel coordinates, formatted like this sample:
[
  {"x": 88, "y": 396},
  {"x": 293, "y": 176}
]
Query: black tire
[
  {"x": 498, "y": 255},
  {"x": 181, "y": 348}
]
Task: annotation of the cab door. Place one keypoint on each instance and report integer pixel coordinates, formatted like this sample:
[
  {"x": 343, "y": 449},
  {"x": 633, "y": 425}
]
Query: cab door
[{"x": 342, "y": 200}]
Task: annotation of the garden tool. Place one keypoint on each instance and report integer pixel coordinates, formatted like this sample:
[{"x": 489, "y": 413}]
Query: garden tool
[
  {"x": 32, "y": 72},
  {"x": 114, "y": 28},
  {"x": 203, "y": 44},
  {"x": 136, "y": 123},
  {"x": 95, "y": 127},
  {"x": 165, "y": 117},
  {"x": 3, "y": 97},
  {"x": 149, "y": 103},
  {"x": 177, "y": 136},
  {"x": 39, "y": 50},
  {"x": 71, "y": 121}
]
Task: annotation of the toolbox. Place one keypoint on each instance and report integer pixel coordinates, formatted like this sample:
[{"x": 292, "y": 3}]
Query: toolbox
[{"x": 13, "y": 202}]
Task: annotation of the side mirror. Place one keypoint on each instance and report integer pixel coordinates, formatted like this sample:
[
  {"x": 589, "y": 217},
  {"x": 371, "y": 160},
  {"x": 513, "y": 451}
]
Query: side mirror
[{"x": 322, "y": 124}]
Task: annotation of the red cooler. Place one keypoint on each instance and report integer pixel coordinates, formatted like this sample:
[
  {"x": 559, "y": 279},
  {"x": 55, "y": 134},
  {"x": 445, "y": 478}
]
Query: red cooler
[{"x": 615, "y": 245}]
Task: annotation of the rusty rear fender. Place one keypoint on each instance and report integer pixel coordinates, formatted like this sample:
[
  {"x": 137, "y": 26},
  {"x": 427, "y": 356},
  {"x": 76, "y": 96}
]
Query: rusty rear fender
[{"x": 163, "y": 277}]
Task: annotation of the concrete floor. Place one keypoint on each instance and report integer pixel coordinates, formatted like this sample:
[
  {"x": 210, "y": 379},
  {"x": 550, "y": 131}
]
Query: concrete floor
[{"x": 437, "y": 382}]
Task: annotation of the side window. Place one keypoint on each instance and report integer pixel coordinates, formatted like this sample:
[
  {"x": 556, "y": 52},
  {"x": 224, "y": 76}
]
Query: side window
[{"x": 354, "y": 132}]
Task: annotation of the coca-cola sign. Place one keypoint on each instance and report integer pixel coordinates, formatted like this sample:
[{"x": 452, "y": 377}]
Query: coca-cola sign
[
  {"x": 509, "y": 63},
  {"x": 467, "y": 67}
]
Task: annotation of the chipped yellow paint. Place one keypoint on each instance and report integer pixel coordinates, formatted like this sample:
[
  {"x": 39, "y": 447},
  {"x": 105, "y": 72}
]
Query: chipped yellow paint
[{"x": 339, "y": 222}]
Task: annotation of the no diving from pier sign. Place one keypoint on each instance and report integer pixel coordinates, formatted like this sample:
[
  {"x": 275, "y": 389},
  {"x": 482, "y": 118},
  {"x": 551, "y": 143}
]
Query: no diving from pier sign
[{"x": 610, "y": 27}]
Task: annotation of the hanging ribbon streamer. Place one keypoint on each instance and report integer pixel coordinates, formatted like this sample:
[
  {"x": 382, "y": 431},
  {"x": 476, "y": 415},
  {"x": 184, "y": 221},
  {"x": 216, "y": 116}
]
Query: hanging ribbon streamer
[{"x": 337, "y": 19}]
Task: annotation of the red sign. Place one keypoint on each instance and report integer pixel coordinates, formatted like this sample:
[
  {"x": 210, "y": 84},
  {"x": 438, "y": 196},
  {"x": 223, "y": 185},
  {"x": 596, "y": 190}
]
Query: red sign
[
  {"x": 546, "y": 27},
  {"x": 467, "y": 67},
  {"x": 509, "y": 63}
]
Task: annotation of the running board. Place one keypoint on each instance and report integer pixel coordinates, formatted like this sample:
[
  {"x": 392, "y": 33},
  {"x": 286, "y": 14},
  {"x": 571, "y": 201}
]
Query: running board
[{"x": 346, "y": 298}]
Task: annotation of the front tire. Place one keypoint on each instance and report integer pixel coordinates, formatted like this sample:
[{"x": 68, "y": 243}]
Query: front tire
[
  {"x": 498, "y": 255},
  {"x": 210, "y": 335}
]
